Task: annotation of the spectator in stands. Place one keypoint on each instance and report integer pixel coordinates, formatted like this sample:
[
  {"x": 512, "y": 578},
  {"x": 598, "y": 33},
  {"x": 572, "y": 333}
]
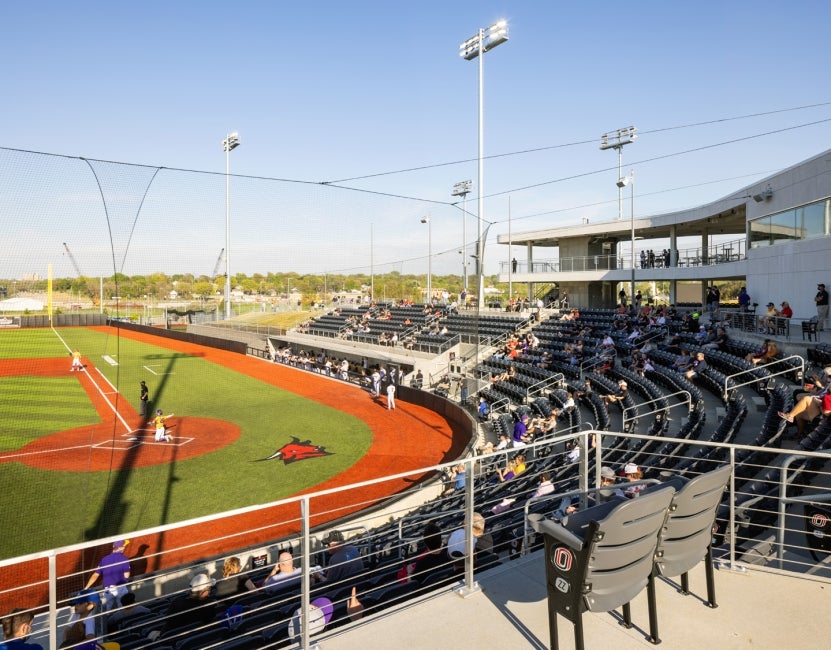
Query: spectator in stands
[
  {"x": 574, "y": 452},
  {"x": 345, "y": 561},
  {"x": 519, "y": 464},
  {"x": 807, "y": 410},
  {"x": 283, "y": 572},
  {"x": 503, "y": 443},
  {"x": 698, "y": 366},
  {"x": 701, "y": 336},
  {"x": 442, "y": 388},
  {"x": 232, "y": 582},
  {"x": 16, "y": 629},
  {"x": 786, "y": 311},
  {"x": 584, "y": 391},
  {"x": 815, "y": 384},
  {"x": 637, "y": 364},
  {"x": 767, "y": 323},
  {"x": 619, "y": 395},
  {"x": 766, "y": 353},
  {"x": 621, "y": 298},
  {"x": 75, "y": 637},
  {"x": 674, "y": 344},
  {"x": 821, "y": 300},
  {"x": 744, "y": 299},
  {"x": 195, "y": 608},
  {"x": 83, "y": 607},
  {"x": 418, "y": 380},
  {"x": 457, "y": 480},
  {"x": 114, "y": 571},
  {"x": 633, "y": 473},
  {"x": 547, "y": 426},
  {"x": 568, "y": 505},
  {"x": 121, "y": 617},
  {"x": 712, "y": 301},
  {"x": 503, "y": 475},
  {"x": 683, "y": 362},
  {"x": 719, "y": 342},
  {"x": 483, "y": 409},
  {"x": 521, "y": 435},
  {"x": 545, "y": 486},
  {"x": 457, "y": 543},
  {"x": 433, "y": 558},
  {"x": 568, "y": 405}
]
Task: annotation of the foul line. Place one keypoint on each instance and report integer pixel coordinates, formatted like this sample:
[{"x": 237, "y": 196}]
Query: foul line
[
  {"x": 103, "y": 395},
  {"x": 106, "y": 399}
]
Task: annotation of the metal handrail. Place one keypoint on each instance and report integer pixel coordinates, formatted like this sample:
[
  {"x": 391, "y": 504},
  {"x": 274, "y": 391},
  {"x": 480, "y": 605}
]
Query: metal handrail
[
  {"x": 634, "y": 408},
  {"x": 756, "y": 380},
  {"x": 309, "y": 546},
  {"x": 543, "y": 384}
]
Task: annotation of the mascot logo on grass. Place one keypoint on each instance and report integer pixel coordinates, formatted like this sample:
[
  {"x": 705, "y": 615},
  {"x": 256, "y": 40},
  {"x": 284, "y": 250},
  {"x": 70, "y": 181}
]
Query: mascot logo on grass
[{"x": 296, "y": 450}]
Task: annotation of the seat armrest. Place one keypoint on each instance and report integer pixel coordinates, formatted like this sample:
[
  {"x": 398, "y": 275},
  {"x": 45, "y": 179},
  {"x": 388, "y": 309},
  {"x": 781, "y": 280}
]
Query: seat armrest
[{"x": 561, "y": 534}]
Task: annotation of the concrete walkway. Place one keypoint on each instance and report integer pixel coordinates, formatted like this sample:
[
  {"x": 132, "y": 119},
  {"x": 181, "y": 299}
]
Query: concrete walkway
[{"x": 756, "y": 609}]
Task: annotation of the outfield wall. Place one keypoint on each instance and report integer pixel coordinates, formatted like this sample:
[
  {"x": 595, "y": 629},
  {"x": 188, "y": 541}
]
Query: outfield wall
[{"x": 240, "y": 347}]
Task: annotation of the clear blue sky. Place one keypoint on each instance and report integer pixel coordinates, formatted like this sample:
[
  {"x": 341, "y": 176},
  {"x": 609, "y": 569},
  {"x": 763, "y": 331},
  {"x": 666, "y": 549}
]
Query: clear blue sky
[{"x": 331, "y": 90}]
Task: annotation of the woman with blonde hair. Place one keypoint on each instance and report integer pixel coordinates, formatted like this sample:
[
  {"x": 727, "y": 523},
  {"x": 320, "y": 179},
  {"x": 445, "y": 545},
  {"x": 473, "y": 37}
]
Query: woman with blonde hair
[{"x": 232, "y": 582}]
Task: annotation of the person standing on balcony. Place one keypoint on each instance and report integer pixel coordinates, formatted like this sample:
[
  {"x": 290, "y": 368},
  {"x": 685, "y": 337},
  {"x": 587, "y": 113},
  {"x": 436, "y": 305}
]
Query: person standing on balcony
[
  {"x": 744, "y": 299},
  {"x": 822, "y": 306},
  {"x": 712, "y": 300}
]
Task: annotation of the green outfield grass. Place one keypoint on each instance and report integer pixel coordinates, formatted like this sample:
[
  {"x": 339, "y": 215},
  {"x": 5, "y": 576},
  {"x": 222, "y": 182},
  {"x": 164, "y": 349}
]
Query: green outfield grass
[{"x": 54, "y": 508}]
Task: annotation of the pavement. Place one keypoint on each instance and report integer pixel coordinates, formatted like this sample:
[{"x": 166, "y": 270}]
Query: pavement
[{"x": 756, "y": 609}]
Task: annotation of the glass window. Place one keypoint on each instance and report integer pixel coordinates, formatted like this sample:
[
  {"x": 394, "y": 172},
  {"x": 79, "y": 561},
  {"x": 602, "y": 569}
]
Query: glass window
[
  {"x": 782, "y": 226},
  {"x": 813, "y": 220},
  {"x": 759, "y": 233}
]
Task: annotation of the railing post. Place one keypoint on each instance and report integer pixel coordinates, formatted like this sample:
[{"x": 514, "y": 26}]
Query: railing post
[
  {"x": 306, "y": 565},
  {"x": 470, "y": 586},
  {"x": 53, "y": 602},
  {"x": 732, "y": 518}
]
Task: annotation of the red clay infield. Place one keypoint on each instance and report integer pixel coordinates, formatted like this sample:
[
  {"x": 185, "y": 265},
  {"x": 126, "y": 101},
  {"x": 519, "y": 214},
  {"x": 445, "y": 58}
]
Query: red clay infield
[{"x": 405, "y": 439}]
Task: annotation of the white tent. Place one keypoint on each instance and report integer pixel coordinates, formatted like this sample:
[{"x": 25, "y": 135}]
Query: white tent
[{"x": 21, "y": 304}]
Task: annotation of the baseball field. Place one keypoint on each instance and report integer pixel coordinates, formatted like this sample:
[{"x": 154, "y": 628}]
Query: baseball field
[{"x": 78, "y": 462}]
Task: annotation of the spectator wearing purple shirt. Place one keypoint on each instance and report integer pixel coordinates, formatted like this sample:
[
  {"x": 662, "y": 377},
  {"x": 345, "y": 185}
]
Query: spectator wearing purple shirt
[{"x": 114, "y": 571}]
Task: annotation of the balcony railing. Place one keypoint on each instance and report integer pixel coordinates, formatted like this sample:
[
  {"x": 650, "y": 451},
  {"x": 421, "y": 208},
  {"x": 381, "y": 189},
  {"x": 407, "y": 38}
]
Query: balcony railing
[{"x": 767, "y": 518}]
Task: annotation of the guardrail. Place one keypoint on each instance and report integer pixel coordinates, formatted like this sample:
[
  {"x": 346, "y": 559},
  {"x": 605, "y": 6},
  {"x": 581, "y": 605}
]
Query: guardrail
[
  {"x": 543, "y": 385},
  {"x": 767, "y": 366},
  {"x": 762, "y": 523}
]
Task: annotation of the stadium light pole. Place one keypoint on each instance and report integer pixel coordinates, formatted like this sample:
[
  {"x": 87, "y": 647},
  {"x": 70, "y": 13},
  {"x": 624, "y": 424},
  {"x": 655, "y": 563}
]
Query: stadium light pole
[
  {"x": 230, "y": 143},
  {"x": 483, "y": 41},
  {"x": 623, "y": 182},
  {"x": 617, "y": 140},
  {"x": 429, "y": 259},
  {"x": 462, "y": 189}
]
